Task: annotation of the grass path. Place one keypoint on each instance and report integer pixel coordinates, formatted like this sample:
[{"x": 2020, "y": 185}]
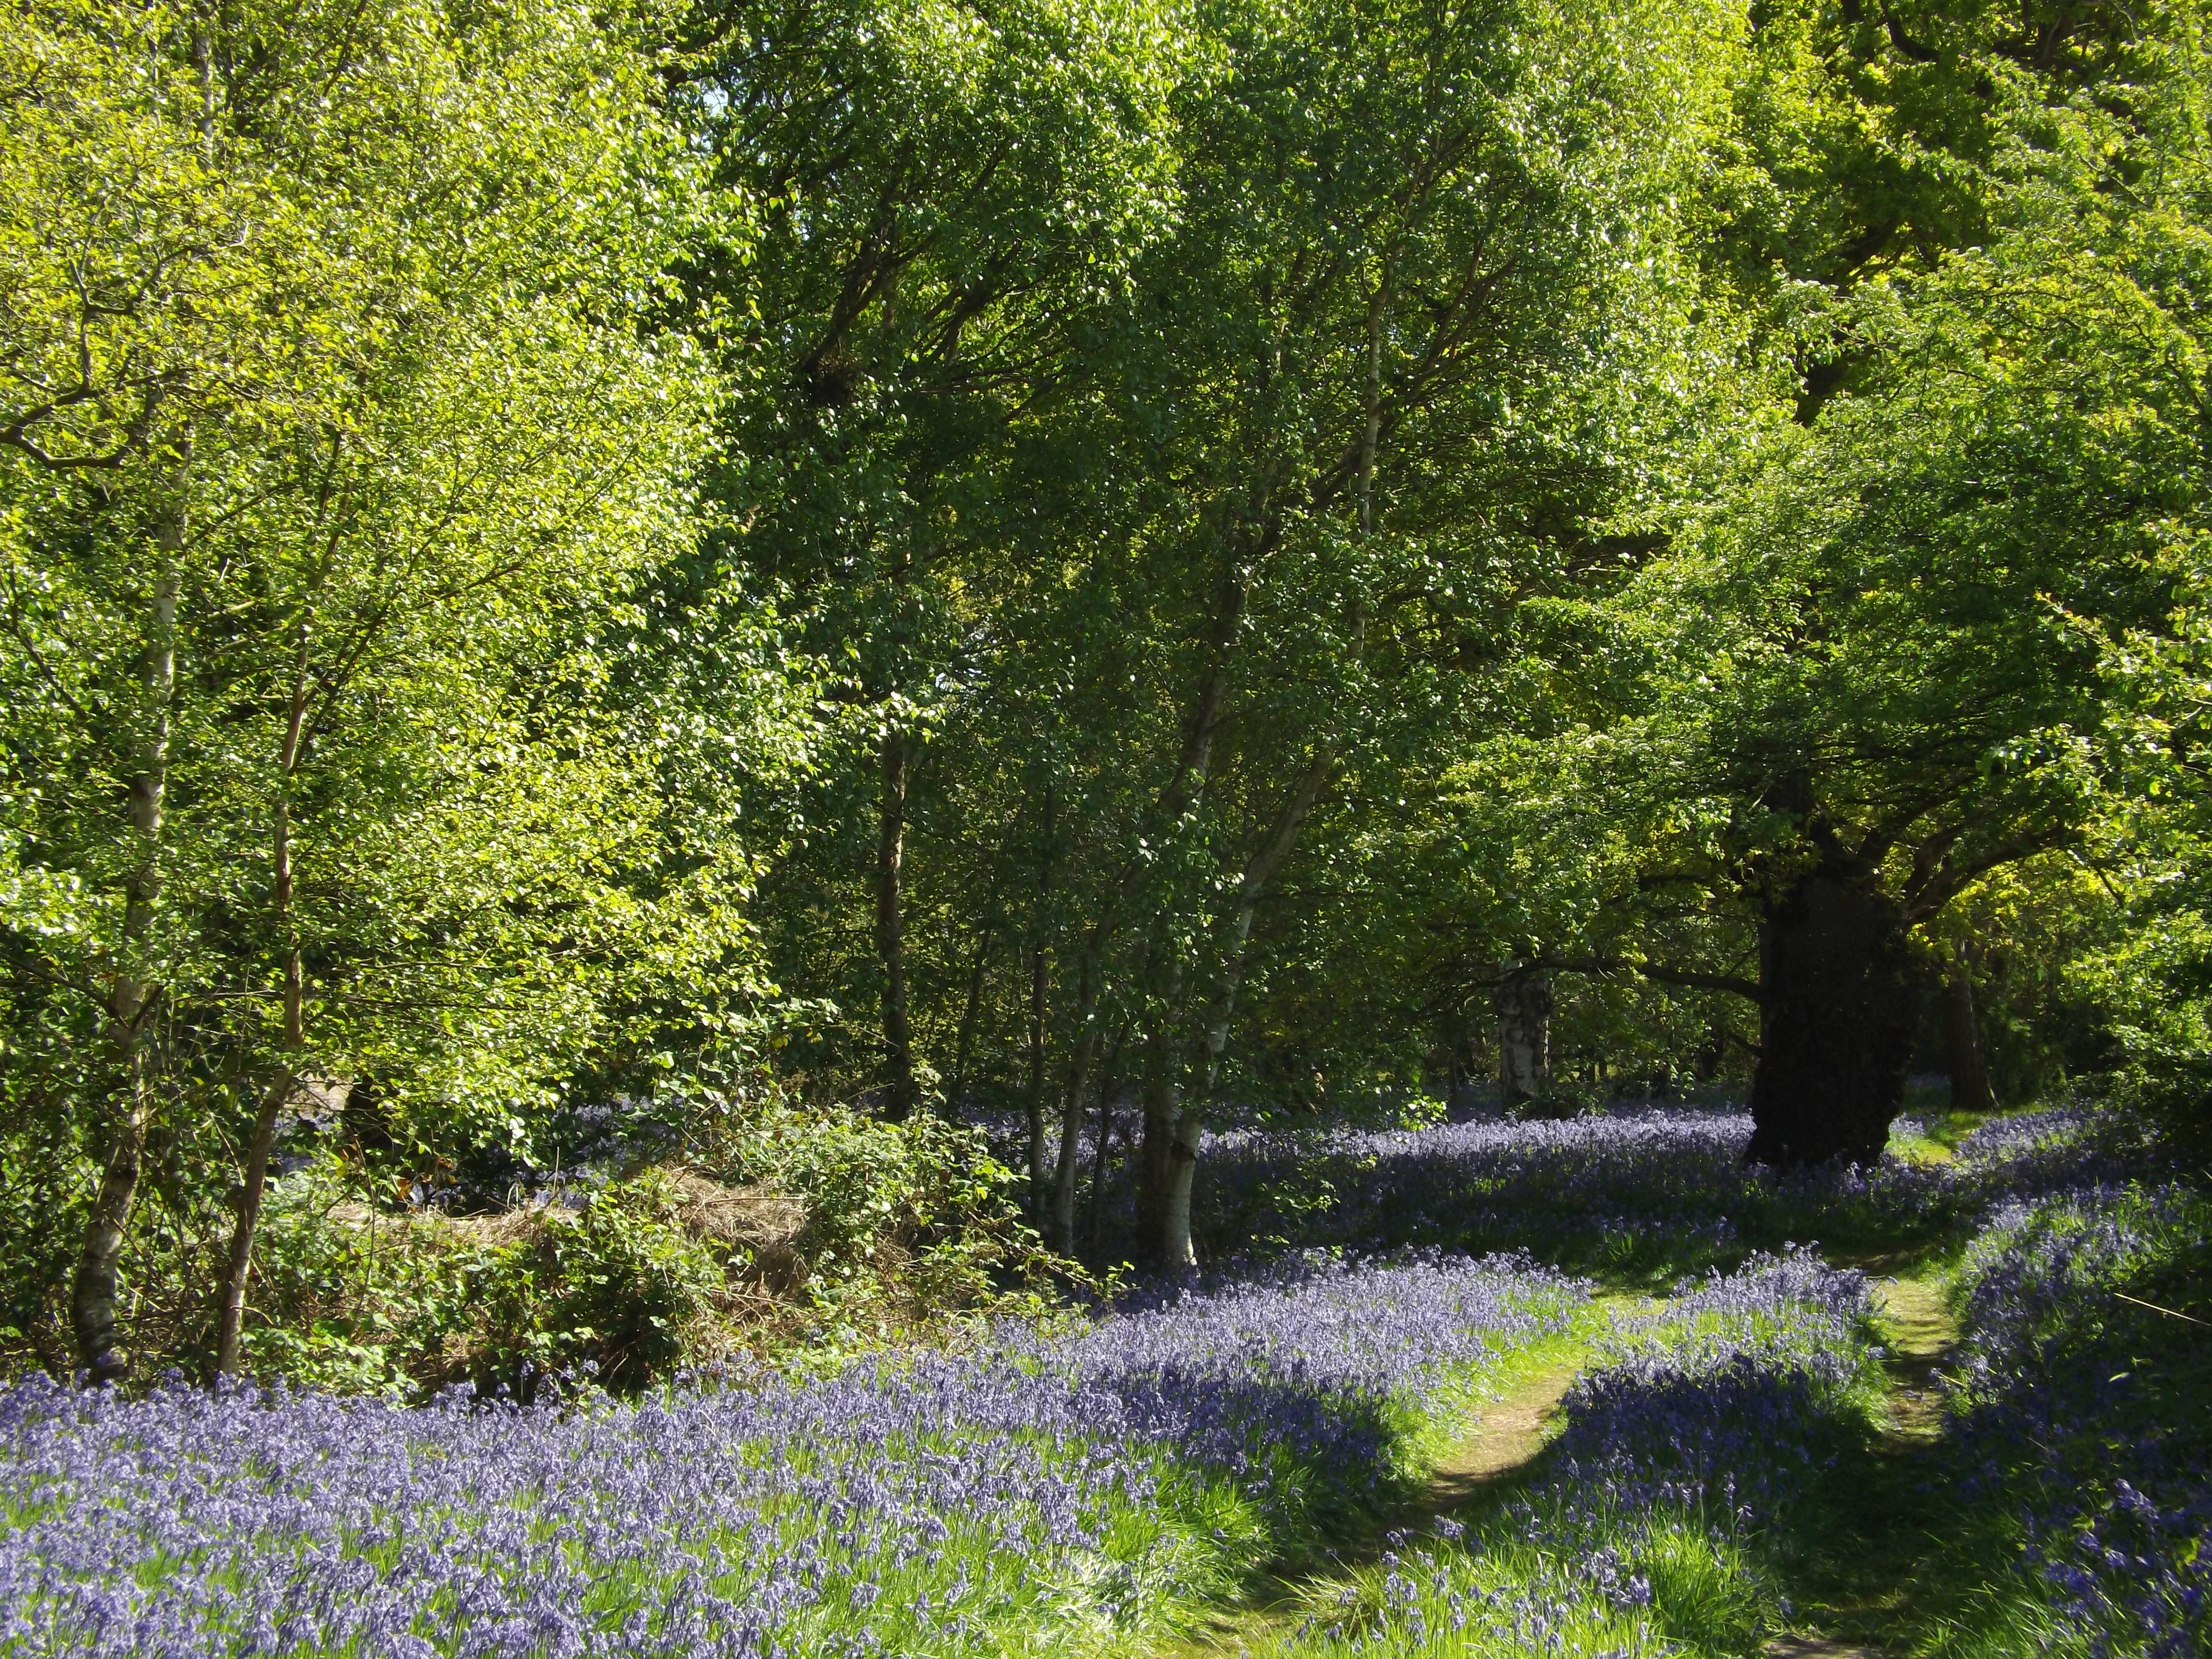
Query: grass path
[
  {"x": 1501, "y": 1439},
  {"x": 1869, "y": 1601},
  {"x": 1503, "y": 1436},
  {"x": 1504, "y": 1439},
  {"x": 1923, "y": 1334}
]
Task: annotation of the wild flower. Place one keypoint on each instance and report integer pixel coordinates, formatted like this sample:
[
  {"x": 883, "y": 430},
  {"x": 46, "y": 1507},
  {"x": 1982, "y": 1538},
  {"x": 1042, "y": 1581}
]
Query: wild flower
[
  {"x": 908, "y": 1504},
  {"x": 1633, "y": 1186},
  {"x": 2055, "y": 1415}
]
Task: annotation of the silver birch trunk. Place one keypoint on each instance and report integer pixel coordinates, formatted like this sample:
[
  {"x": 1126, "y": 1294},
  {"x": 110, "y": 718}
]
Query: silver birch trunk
[
  {"x": 1172, "y": 1244},
  {"x": 890, "y": 928},
  {"x": 132, "y": 1001},
  {"x": 1033, "y": 1098},
  {"x": 1524, "y": 1038},
  {"x": 1174, "y": 1249}
]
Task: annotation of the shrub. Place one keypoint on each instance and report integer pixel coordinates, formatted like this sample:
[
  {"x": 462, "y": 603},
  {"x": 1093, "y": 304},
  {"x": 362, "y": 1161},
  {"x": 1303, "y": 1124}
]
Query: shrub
[
  {"x": 903, "y": 1221},
  {"x": 792, "y": 1229}
]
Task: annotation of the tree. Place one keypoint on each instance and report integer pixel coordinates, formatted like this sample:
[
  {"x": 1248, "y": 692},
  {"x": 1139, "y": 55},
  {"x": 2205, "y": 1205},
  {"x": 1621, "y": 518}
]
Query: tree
[
  {"x": 340, "y": 438},
  {"x": 946, "y": 192},
  {"x": 1377, "y": 360},
  {"x": 1891, "y": 687}
]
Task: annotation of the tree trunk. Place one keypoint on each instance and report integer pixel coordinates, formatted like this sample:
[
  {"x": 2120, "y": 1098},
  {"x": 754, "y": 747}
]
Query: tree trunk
[
  {"x": 1040, "y": 1202},
  {"x": 1175, "y": 1168},
  {"x": 965, "y": 1047},
  {"x": 1524, "y": 1038},
  {"x": 1062, "y": 1231},
  {"x": 1838, "y": 1011},
  {"x": 132, "y": 1001},
  {"x": 1463, "y": 1060},
  {"x": 1176, "y": 1249},
  {"x": 890, "y": 944},
  {"x": 238, "y": 1265},
  {"x": 92, "y": 1291},
  {"x": 1033, "y": 1097},
  {"x": 1105, "y": 1133},
  {"x": 1161, "y": 1093},
  {"x": 1962, "y": 1038},
  {"x": 1065, "y": 1168}
]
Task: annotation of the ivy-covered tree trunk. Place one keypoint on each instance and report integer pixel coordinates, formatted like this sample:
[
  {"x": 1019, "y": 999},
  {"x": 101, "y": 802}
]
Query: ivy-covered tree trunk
[
  {"x": 1838, "y": 1010},
  {"x": 1524, "y": 1038}
]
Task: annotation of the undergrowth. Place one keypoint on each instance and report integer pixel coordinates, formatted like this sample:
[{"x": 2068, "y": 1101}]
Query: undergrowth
[{"x": 778, "y": 1233}]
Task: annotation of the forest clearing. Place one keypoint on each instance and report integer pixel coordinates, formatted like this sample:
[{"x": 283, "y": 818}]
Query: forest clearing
[{"x": 985, "y": 828}]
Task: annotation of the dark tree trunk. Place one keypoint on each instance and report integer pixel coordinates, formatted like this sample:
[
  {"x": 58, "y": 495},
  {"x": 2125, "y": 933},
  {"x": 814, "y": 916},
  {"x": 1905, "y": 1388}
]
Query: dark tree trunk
[
  {"x": 1039, "y": 1189},
  {"x": 1079, "y": 1065},
  {"x": 1105, "y": 1133},
  {"x": 1039, "y": 1200},
  {"x": 890, "y": 941},
  {"x": 966, "y": 1045},
  {"x": 1839, "y": 1007},
  {"x": 238, "y": 1267},
  {"x": 1962, "y": 1039}
]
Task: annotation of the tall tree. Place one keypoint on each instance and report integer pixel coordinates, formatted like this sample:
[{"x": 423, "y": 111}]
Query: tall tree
[
  {"x": 1419, "y": 251},
  {"x": 1892, "y": 686},
  {"x": 337, "y": 439},
  {"x": 948, "y": 191}
]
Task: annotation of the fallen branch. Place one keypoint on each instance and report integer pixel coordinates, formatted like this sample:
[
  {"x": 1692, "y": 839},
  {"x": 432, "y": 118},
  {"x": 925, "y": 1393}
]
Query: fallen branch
[{"x": 2189, "y": 1318}]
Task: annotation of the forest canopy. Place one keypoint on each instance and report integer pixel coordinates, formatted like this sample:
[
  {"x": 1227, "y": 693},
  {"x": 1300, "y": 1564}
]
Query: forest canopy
[{"x": 719, "y": 568}]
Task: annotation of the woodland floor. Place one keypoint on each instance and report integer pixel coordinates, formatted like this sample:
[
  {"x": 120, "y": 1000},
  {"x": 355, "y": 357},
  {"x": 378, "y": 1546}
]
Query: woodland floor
[{"x": 1629, "y": 1408}]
